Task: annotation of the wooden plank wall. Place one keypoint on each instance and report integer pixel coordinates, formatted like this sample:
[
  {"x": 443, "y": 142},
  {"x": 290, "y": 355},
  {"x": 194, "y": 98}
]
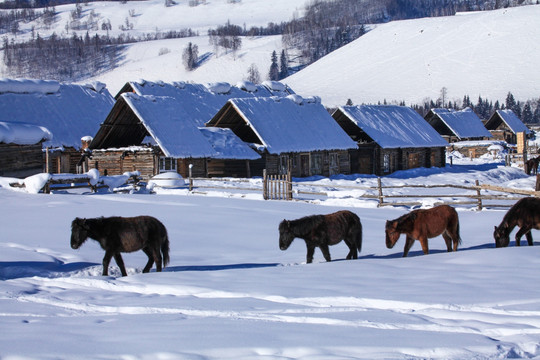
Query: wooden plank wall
[{"x": 21, "y": 160}]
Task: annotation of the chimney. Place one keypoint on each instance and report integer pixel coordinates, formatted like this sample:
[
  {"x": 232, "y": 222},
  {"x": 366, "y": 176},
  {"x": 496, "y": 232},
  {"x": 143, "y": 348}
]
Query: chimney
[{"x": 85, "y": 142}]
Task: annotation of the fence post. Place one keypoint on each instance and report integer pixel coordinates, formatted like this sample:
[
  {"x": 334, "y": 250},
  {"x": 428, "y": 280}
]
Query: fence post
[
  {"x": 265, "y": 185},
  {"x": 190, "y": 177},
  {"x": 479, "y": 196},
  {"x": 379, "y": 185},
  {"x": 289, "y": 185}
]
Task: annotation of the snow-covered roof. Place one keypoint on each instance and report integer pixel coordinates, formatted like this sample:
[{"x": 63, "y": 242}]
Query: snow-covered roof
[
  {"x": 392, "y": 126},
  {"x": 288, "y": 125},
  {"x": 176, "y": 132},
  {"x": 512, "y": 121},
  {"x": 68, "y": 111},
  {"x": 464, "y": 124},
  {"x": 23, "y": 134},
  {"x": 228, "y": 145},
  {"x": 203, "y": 101},
  {"x": 173, "y": 129}
]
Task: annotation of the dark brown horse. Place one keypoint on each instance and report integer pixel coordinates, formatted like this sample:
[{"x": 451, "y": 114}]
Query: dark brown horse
[
  {"x": 525, "y": 214},
  {"x": 323, "y": 230},
  {"x": 424, "y": 224},
  {"x": 124, "y": 234},
  {"x": 531, "y": 166}
]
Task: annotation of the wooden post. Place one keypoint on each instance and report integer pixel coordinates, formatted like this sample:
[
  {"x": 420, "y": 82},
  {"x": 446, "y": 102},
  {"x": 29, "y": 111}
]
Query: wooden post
[
  {"x": 265, "y": 185},
  {"x": 47, "y": 159},
  {"x": 190, "y": 177},
  {"x": 379, "y": 186},
  {"x": 289, "y": 185},
  {"x": 479, "y": 196},
  {"x": 537, "y": 187}
]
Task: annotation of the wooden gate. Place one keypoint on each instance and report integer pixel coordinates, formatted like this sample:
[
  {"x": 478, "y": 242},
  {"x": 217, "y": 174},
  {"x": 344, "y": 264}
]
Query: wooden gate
[{"x": 277, "y": 187}]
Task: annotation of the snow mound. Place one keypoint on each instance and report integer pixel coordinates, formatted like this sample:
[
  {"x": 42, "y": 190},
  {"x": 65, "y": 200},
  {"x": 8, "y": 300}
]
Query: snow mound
[
  {"x": 297, "y": 99},
  {"x": 247, "y": 86},
  {"x": 23, "y": 134},
  {"x": 275, "y": 85},
  {"x": 219, "y": 87},
  {"x": 28, "y": 86},
  {"x": 167, "y": 179},
  {"x": 97, "y": 86}
]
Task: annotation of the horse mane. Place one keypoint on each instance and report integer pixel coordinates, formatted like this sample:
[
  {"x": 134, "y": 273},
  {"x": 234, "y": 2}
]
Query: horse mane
[
  {"x": 406, "y": 219},
  {"x": 304, "y": 225}
]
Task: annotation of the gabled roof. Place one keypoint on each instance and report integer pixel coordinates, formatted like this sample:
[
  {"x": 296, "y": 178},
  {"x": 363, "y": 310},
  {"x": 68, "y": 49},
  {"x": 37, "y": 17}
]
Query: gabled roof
[
  {"x": 68, "y": 111},
  {"x": 393, "y": 126},
  {"x": 202, "y": 102},
  {"x": 177, "y": 134},
  {"x": 464, "y": 124},
  {"x": 281, "y": 125},
  {"x": 509, "y": 118}
]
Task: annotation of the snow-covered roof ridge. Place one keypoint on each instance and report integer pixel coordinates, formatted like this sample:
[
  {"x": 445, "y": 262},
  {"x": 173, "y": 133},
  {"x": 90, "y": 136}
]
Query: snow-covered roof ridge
[
  {"x": 23, "y": 134},
  {"x": 393, "y": 126},
  {"x": 464, "y": 123},
  {"x": 70, "y": 112},
  {"x": 28, "y": 86},
  {"x": 287, "y": 126}
]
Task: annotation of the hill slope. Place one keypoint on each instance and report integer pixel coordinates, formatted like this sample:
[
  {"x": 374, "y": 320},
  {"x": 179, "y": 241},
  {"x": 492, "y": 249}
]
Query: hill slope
[{"x": 477, "y": 54}]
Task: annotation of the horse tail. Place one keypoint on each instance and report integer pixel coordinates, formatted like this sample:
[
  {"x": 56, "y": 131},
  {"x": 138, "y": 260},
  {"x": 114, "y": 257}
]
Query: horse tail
[
  {"x": 165, "y": 249},
  {"x": 358, "y": 238}
]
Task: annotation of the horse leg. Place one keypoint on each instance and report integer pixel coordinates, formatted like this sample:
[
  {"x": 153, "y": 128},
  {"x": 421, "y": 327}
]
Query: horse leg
[
  {"x": 424, "y": 243},
  {"x": 353, "y": 252},
  {"x": 106, "y": 261},
  {"x": 447, "y": 240},
  {"x": 310, "y": 252},
  {"x": 408, "y": 244},
  {"x": 120, "y": 263},
  {"x": 529, "y": 238},
  {"x": 325, "y": 251},
  {"x": 150, "y": 262},
  {"x": 522, "y": 231}
]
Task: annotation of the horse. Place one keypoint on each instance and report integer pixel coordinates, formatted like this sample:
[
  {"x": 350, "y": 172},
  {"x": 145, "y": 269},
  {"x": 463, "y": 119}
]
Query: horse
[
  {"x": 423, "y": 224},
  {"x": 323, "y": 230},
  {"x": 124, "y": 234},
  {"x": 531, "y": 166},
  {"x": 526, "y": 214}
]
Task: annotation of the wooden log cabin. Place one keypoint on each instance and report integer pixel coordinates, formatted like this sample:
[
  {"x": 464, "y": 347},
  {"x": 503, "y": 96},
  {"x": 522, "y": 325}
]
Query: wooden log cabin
[
  {"x": 453, "y": 125},
  {"x": 390, "y": 138},
  {"x": 505, "y": 125},
  {"x": 291, "y": 134},
  {"x": 154, "y": 134},
  {"x": 68, "y": 111}
]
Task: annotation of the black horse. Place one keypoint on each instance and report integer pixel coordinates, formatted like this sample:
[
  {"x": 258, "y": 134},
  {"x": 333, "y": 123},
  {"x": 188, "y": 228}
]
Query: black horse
[
  {"x": 322, "y": 231},
  {"x": 526, "y": 214},
  {"x": 124, "y": 234}
]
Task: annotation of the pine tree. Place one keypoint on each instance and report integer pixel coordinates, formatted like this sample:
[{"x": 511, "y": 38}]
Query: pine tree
[
  {"x": 190, "y": 56},
  {"x": 527, "y": 115},
  {"x": 273, "y": 74},
  {"x": 349, "y": 102},
  {"x": 283, "y": 65}
]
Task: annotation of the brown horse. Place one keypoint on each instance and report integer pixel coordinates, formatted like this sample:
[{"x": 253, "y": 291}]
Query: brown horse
[
  {"x": 526, "y": 214},
  {"x": 124, "y": 234},
  {"x": 423, "y": 225},
  {"x": 531, "y": 166},
  {"x": 322, "y": 231}
]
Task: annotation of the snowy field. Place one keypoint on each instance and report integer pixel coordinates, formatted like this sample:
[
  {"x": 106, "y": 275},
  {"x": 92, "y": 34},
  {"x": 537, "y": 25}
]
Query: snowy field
[{"x": 230, "y": 293}]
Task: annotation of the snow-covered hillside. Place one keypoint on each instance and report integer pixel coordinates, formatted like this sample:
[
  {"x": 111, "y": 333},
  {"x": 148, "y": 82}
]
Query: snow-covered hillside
[{"x": 483, "y": 54}]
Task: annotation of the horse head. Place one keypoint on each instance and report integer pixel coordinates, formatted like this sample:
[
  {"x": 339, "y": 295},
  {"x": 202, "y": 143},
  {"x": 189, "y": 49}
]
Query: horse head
[
  {"x": 286, "y": 236},
  {"x": 501, "y": 236},
  {"x": 79, "y": 232},
  {"x": 392, "y": 234}
]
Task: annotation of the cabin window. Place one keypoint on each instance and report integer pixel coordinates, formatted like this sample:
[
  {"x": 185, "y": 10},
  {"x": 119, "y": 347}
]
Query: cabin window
[
  {"x": 316, "y": 164},
  {"x": 167, "y": 164},
  {"x": 283, "y": 164},
  {"x": 386, "y": 163}
]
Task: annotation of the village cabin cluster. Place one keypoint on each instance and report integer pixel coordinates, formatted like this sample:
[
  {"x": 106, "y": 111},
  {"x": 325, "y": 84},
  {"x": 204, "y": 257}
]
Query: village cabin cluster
[{"x": 223, "y": 130}]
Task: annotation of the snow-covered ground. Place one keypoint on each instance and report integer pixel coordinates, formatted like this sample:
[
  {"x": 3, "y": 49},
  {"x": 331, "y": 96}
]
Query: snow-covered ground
[{"x": 230, "y": 293}]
